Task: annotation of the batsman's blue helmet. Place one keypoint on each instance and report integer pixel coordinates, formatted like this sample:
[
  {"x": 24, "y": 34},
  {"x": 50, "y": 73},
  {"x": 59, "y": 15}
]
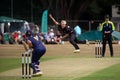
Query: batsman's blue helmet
[{"x": 29, "y": 33}]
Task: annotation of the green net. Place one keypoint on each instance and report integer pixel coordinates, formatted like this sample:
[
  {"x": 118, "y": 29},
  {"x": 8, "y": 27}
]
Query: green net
[
  {"x": 97, "y": 35},
  {"x": 91, "y": 36},
  {"x": 116, "y": 35}
]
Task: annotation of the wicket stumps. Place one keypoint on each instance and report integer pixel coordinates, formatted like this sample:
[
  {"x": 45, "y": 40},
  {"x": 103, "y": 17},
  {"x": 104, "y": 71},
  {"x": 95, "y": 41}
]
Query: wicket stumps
[
  {"x": 26, "y": 62},
  {"x": 98, "y": 49}
]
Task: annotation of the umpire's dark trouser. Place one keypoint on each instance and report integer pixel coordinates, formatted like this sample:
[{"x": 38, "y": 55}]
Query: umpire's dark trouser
[
  {"x": 72, "y": 38},
  {"x": 106, "y": 38}
]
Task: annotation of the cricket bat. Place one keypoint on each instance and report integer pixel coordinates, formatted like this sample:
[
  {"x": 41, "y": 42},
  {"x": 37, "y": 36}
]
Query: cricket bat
[{"x": 25, "y": 46}]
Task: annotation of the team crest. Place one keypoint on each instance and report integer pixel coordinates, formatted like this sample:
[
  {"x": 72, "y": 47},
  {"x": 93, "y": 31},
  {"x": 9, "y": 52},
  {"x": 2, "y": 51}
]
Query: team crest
[{"x": 36, "y": 38}]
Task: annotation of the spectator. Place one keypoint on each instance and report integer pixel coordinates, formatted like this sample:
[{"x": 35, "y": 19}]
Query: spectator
[
  {"x": 51, "y": 33},
  {"x": 15, "y": 36},
  {"x": 26, "y": 26},
  {"x": 50, "y": 38},
  {"x": 98, "y": 28},
  {"x": 19, "y": 37},
  {"x": 1, "y": 38}
]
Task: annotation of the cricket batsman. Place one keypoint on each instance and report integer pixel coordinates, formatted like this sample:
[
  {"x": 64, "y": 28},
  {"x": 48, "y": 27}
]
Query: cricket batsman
[
  {"x": 66, "y": 31},
  {"x": 34, "y": 42}
]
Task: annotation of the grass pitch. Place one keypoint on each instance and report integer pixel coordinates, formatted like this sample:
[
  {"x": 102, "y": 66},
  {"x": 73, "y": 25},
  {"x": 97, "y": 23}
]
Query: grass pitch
[{"x": 60, "y": 63}]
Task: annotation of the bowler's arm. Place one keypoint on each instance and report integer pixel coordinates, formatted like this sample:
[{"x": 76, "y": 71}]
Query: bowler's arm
[{"x": 53, "y": 19}]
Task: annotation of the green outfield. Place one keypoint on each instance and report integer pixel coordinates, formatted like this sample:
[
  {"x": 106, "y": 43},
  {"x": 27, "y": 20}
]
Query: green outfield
[{"x": 60, "y": 63}]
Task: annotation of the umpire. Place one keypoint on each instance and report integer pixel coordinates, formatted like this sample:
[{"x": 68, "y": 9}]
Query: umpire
[{"x": 107, "y": 28}]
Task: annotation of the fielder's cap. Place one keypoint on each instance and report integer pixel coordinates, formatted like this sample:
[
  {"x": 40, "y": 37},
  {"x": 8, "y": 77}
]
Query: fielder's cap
[{"x": 29, "y": 33}]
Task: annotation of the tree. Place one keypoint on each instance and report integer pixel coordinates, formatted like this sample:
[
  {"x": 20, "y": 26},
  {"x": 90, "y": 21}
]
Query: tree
[{"x": 61, "y": 9}]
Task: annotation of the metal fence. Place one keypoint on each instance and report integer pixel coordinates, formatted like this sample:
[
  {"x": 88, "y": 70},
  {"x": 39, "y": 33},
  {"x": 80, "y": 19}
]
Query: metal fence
[{"x": 87, "y": 25}]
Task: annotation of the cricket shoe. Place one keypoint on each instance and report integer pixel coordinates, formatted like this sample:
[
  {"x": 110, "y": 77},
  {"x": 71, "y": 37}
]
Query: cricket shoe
[
  {"x": 37, "y": 74},
  {"x": 77, "y": 51}
]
